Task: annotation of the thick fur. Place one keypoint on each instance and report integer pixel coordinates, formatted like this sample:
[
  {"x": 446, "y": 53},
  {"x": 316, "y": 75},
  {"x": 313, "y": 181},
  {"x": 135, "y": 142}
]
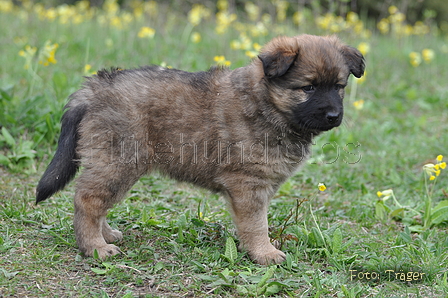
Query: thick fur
[{"x": 241, "y": 133}]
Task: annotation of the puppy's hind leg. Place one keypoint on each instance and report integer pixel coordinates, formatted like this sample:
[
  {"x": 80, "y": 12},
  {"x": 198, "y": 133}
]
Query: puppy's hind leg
[{"x": 98, "y": 190}]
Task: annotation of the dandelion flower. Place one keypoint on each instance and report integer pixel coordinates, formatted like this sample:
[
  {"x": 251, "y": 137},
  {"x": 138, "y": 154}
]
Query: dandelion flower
[
  {"x": 146, "y": 32},
  {"x": 87, "y": 70},
  {"x": 359, "y": 104},
  {"x": 428, "y": 55},
  {"x": 415, "y": 59},
  {"x": 197, "y": 13},
  {"x": 383, "y": 26},
  {"x": 221, "y": 61},
  {"x": 251, "y": 54},
  {"x": 393, "y": 9},
  {"x": 195, "y": 37},
  {"x": 364, "y": 48},
  {"x": 253, "y": 11},
  {"x": 321, "y": 187}
]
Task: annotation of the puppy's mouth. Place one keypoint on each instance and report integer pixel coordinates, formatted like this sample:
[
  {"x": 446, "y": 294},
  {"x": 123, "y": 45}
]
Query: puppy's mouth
[{"x": 318, "y": 123}]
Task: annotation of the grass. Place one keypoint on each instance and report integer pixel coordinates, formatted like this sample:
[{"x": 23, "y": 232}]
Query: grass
[{"x": 178, "y": 240}]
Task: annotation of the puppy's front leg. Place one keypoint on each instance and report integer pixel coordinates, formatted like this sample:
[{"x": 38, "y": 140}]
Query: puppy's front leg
[{"x": 249, "y": 204}]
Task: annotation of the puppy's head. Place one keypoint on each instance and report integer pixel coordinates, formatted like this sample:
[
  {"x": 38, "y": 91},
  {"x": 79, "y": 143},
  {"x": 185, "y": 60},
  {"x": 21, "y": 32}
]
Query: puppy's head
[{"x": 306, "y": 76}]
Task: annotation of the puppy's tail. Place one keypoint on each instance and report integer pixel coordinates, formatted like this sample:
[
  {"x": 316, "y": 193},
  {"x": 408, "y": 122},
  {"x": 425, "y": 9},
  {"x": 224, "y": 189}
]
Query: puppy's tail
[{"x": 65, "y": 164}]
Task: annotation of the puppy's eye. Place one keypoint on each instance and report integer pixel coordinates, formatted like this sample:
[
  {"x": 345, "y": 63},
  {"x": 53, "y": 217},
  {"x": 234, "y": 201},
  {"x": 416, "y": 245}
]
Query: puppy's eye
[
  {"x": 338, "y": 87},
  {"x": 309, "y": 89}
]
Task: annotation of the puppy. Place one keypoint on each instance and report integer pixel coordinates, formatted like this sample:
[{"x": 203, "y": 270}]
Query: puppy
[{"x": 240, "y": 133}]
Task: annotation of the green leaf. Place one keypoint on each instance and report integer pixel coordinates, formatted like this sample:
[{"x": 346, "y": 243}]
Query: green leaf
[
  {"x": 336, "y": 243},
  {"x": 440, "y": 213},
  {"x": 198, "y": 222},
  {"x": 396, "y": 212},
  {"x": 406, "y": 237},
  {"x": 8, "y": 137},
  {"x": 286, "y": 188},
  {"x": 128, "y": 295},
  {"x": 345, "y": 291},
  {"x": 96, "y": 255},
  {"x": 99, "y": 271},
  {"x": 348, "y": 260},
  {"x": 288, "y": 261},
  {"x": 180, "y": 235},
  {"x": 231, "y": 252},
  {"x": 317, "y": 237},
  {"x": 380, "y": 211},
  {"x": 4, "y": 160},
  {"x": 8, "y": 274},
  {"x": 268, "y": 275},
  {"x": 416, "y": 228}
]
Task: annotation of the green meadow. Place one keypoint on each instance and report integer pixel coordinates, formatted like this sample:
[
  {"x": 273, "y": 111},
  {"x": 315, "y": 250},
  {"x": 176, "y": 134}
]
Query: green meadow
[{"x": 377, "y": 229}]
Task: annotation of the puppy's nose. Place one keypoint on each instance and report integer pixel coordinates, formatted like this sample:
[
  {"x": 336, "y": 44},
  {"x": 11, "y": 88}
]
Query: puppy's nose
[{"x": 333, "y": 117}]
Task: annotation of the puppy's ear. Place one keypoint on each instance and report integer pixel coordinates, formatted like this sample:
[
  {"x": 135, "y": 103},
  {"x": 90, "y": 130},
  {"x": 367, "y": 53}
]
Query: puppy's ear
[
  {"x": 276, "y": 63},
  {"x": 355, "y": 60}
]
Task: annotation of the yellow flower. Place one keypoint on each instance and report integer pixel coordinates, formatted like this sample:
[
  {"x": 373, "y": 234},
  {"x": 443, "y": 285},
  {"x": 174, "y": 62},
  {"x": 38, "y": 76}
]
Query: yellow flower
[
  {"x": 429, "y": 168},
  {"x": 223, "y": 21},
  {"x": 221, "y": 61},
  {"x": 251, "y": 54},
  {"x": 28, "y": 54},
  {"x": 146, "y": 32},
  {"x": 281, "y": 7},
  {"x": 393, "y": 9},
  {"x": 197, "y": 13},
  {"x": 87, "y": 69},
  {"x": 298, "y": 17},
  {"x": 321, "y": 187},
  {"x": 359, "y": 104},
  {"x": 415, "y": 59},
  {"x": 47, "y": 53},
  {"x": 364, "y": 48},
  {"x": 361, "y": 79},
  {"x": 195, "y": 37},
  {"x": 386, "y": 194},
  {"x": 434, "y": 170},
  {"x": 352, "y": 17},
  {"x": 253, "y": 11},
  {"x": 428, "y": 55},
  {"x": 6, "y": 6},
  {"x": 235, "y": 45},
  {"x": 383, "y": 26}
]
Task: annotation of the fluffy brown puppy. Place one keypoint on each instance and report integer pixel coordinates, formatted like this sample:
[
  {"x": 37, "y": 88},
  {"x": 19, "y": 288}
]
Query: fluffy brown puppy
[{"x": 240, "y": 133}]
